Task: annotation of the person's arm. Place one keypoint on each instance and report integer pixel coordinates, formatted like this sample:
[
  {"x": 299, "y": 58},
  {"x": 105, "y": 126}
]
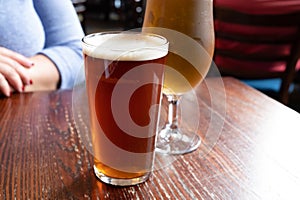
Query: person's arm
[
  {"x": 57, "y": 64},
  {"x": 44, "y": 75}
]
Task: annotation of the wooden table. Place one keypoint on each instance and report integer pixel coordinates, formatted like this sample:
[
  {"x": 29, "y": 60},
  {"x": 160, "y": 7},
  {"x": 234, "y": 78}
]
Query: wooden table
[{"x": 255, "y": 156}]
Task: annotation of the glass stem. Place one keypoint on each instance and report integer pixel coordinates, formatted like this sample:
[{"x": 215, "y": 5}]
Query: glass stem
[{"x": 173, "y": 112}]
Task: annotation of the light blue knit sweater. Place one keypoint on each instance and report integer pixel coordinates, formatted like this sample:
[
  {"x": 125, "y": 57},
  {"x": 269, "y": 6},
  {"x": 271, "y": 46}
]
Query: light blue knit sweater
[{"x": 49, "y": 27}]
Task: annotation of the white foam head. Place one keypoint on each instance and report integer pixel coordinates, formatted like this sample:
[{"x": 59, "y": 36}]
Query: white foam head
[{"x": 126, "y": 46}]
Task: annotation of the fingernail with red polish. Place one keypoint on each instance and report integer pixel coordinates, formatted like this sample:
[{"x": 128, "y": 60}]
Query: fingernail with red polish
[
  {"x": 30, "y": 82},
  {"x": 23, "y": 88}
]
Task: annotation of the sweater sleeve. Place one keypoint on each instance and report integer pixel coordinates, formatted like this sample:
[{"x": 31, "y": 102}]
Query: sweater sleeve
[{"x": 63, "y": 35}]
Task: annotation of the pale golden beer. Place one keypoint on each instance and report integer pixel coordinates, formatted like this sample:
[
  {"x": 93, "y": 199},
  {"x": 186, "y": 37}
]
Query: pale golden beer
[
  {"x": 124, "y": 76},
  {"x": 188, "y": 26},
  {"x": 190, "y": 17}
]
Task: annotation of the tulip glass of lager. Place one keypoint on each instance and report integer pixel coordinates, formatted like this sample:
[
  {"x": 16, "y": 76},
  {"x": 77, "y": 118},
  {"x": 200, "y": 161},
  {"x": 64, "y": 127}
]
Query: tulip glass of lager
[
  {"x": 186, "y": 64},
  {"x": 124, "y": 76}
]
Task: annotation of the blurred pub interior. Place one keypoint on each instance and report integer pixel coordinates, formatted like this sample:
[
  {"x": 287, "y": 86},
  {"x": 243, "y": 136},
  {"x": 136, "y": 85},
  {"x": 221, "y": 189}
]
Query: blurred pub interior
[{"x": 104, "y": 15}]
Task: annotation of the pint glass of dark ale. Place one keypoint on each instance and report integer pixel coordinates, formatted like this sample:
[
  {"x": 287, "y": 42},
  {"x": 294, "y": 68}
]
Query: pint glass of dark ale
[{"x": 124, "y": 76}]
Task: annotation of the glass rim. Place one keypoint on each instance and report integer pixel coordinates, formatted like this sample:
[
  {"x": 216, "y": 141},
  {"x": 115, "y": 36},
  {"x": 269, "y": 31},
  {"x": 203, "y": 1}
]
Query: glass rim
[{"x": 83, "y": 40}]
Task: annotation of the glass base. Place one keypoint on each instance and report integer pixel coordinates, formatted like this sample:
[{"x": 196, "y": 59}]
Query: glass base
[
  {"x": 120, "y": 181},
  {"x": 174, "y": 142}
]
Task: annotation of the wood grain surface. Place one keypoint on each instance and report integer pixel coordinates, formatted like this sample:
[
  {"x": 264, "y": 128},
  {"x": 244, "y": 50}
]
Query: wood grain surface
[{"x": 250, "y": 150}]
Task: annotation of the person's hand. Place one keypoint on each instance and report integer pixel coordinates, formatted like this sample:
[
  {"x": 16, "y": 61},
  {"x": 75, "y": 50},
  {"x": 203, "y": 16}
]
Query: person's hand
[{"x": 13, "y": 73}]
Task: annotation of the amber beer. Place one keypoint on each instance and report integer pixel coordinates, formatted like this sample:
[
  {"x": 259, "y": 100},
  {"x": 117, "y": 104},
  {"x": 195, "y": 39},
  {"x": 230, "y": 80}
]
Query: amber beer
[
  {"x": 124, "y": 77},
  {"x": 192, "y": 18}
]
